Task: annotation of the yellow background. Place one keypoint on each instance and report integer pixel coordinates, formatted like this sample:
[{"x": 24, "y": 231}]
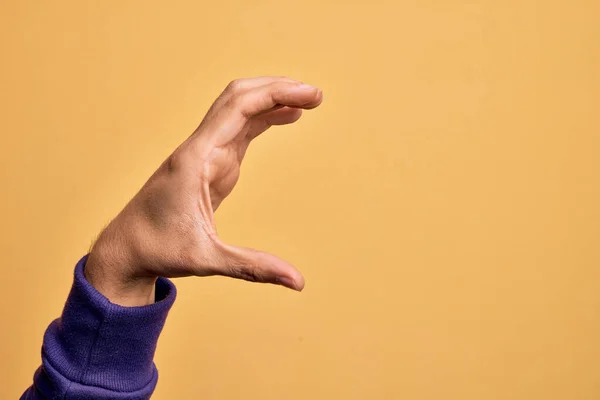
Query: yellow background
[{"x": 443, "y": 203}]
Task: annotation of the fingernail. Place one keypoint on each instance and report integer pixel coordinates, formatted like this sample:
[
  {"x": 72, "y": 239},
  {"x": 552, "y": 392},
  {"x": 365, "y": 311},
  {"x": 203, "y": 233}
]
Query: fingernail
[
  {"x": 287, "y": 282},
  {"x": 304, "y": 86}
]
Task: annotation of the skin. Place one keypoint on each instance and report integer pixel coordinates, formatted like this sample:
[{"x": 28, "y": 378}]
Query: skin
[{"x": 168, "y": 228}]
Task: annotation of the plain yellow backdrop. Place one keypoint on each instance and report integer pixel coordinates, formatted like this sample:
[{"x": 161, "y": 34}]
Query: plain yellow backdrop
[{"x": 443, "y": 203}]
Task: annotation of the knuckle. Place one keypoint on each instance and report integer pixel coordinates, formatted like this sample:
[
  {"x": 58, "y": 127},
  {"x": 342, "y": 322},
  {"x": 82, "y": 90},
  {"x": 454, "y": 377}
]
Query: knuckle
[
  {"x": 234, "y": 86},
  {"x": 175, "y": 162},
  {"x": 172, "y": 163}
]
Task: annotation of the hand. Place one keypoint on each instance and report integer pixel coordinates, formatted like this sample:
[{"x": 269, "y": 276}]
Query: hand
[{"x": 168, "y": 228}]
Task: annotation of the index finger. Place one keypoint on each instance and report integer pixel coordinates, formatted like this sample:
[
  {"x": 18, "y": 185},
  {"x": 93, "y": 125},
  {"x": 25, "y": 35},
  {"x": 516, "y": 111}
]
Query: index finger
[{"x": 230, "y": 120}]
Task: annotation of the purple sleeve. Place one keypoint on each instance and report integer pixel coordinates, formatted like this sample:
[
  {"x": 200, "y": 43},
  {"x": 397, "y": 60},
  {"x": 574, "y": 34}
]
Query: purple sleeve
[{"x": 100, "y": 350}]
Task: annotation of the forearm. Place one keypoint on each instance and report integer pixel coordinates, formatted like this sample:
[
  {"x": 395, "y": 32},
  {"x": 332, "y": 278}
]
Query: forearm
[{"x": 101, "y": 350}]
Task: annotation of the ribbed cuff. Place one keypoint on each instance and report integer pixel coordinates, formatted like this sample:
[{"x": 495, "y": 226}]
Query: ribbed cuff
[{"x": 98, "y": 343}]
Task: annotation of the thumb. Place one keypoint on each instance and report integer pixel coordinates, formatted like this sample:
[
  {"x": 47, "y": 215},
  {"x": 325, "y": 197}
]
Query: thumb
[{"x": 257, "y": 266}]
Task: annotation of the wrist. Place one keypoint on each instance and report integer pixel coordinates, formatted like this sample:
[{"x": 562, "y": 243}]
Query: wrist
[{"x": 110, "y": 269}]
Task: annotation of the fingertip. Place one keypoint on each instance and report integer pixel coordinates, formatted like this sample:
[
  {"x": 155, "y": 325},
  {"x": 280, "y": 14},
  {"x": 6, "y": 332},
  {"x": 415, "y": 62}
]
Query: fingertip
[
  {"x": 296, "y": 284},
  {"x": 316, "y": 100},
  {"x": 298, "y": 279},
  {"x": 319, "y": 98},
  {"x": 287, "y": 282}
]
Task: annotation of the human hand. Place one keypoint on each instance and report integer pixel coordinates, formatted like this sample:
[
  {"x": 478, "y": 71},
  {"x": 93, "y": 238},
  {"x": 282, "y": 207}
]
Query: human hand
[{"x": 168, "y": 228}]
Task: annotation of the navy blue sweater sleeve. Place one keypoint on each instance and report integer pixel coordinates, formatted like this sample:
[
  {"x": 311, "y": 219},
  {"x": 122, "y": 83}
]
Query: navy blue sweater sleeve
[{"x": 100, "y": 350}]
